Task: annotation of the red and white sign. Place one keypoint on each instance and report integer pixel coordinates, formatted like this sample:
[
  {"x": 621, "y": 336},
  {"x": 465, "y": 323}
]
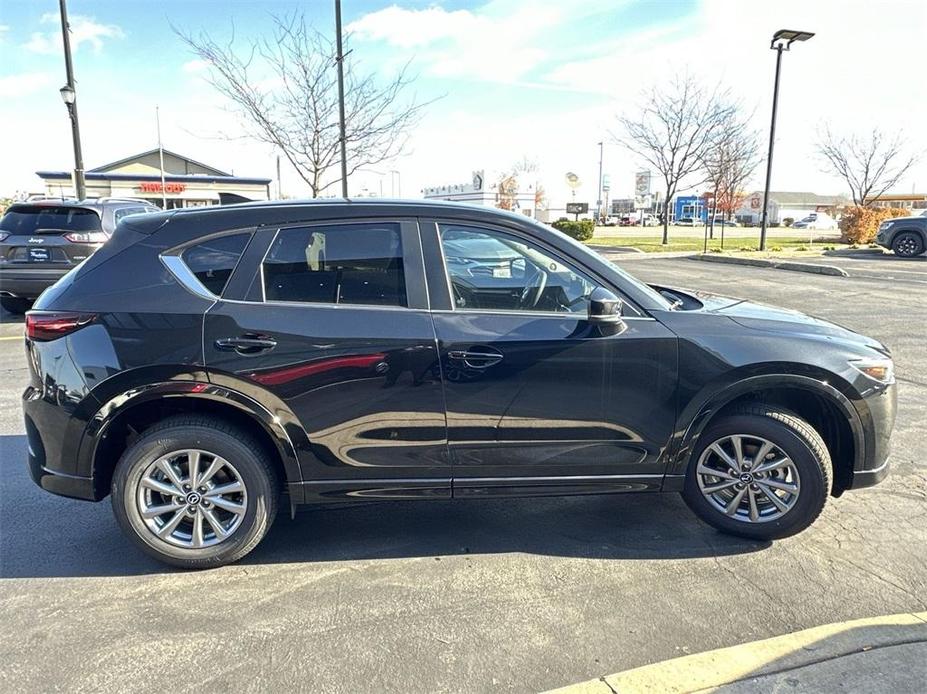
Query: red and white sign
[{"x": 155, "y": 187}]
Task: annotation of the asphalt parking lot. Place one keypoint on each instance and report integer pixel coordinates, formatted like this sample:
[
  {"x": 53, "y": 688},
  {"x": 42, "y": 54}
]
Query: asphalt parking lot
[{"x": 466, "y": 596}]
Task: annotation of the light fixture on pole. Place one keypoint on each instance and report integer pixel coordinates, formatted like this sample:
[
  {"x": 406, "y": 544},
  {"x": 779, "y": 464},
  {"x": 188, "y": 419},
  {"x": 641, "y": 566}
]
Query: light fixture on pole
[
  {"x": 782, "y": 41},
  {"x": 69, "y": 96}
]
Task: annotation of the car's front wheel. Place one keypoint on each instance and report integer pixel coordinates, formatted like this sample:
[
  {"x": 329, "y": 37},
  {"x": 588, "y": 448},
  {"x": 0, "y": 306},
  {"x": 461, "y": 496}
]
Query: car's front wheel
[
  {"x": 761, "y": 473},
  {"x": 907, "y": 244},
  {"x": 195, "y": 492}
]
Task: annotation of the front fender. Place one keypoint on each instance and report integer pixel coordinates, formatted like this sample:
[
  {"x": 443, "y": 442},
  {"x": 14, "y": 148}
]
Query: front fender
[
  {"x": 698, "y": 412},
  {"x": 118, "y": 405}
]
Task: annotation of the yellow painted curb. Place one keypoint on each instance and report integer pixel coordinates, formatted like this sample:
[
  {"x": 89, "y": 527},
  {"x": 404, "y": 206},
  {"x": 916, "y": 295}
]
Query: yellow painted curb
[
  {"x": 711, "y": 669},
  {"x": 13, "y": 337}
]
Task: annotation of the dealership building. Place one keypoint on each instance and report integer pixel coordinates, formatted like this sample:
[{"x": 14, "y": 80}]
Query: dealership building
[{"x": 184, "y": 182}]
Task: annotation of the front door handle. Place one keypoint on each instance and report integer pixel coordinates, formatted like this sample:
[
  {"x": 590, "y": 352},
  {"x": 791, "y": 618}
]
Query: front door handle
[
  {"x": 246, "y": 344},
  {"x": 477, "y": 357}
]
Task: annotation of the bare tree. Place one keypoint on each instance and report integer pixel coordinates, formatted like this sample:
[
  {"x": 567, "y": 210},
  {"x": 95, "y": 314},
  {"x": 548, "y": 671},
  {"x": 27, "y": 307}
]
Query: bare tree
[
  {"x": 729, "y": 162},
  {"x": 672, "y": 131},
  {"x": 870, "y": 165},
  {"x": 285, "y": 89},
  {"x": 510, "y": 182}
]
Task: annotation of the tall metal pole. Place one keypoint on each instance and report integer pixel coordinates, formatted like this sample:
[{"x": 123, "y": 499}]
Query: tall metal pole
[
  {"x": 598, "y": 202},
  {"x": 340, "y": 60},
  {"x": 79, "y": 185},
  {"x": 279, "y": 190},
  {"x": 161, "y": 159},
  {"x": 772, "y": 144}
]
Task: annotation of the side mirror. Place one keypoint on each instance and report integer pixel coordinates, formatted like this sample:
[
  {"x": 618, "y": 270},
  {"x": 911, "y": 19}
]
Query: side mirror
[{"x": 604, "y": 307}]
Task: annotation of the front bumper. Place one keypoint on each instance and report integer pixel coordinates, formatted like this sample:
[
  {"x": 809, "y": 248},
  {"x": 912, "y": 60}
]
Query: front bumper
[
  {"x": 28, "y": 283},
  {"x": 878, "y": 421},
  {"x": 884, "y": 238}
]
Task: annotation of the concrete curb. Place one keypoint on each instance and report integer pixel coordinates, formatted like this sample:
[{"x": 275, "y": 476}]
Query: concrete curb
[
  {"x": 627, "y": 252},
  {"x": 725, "y": 666},
  {"x": 776, "y": 264}
]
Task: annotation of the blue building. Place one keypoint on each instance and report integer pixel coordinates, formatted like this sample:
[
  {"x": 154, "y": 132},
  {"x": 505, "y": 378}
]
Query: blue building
[{"x": 690, "y": 206}]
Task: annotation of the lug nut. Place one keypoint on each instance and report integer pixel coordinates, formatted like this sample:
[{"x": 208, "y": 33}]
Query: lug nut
[
  {"x": 191, "y": 510},
  {"x": 205, "y": 504},
  {"x": 202, "y": 490}
]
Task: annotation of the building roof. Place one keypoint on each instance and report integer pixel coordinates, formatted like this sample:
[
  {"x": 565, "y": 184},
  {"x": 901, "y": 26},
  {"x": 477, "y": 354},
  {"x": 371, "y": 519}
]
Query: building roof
[
  {"x": 168, "y": 178},
  {"x": 167, "y": 153},
  {"x": 804, "y": 198}
]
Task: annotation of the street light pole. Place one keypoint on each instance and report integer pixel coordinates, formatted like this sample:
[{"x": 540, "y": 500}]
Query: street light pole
[
  {"x": 598, "y": 202},
  {"x": 340, "y": 60},
  {"x": 782, "y": 41},
  {"x": 69, "y": 94}
]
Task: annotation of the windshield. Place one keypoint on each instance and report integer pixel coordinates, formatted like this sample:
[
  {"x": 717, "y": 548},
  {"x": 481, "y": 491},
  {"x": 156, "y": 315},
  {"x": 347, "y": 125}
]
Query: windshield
[
  {"x": 33, "y": 219},
  {"x": 584, "y": 251}
]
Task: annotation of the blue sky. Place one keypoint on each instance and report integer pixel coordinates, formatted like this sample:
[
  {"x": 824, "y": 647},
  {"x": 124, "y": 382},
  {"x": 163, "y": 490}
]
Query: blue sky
[{"x": 543, "y": 79}]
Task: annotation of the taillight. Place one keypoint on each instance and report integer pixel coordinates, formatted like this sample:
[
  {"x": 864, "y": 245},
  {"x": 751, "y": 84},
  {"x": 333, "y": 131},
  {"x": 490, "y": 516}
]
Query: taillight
[
  {"x": 42, "y": 325},
  {"x": 86, "y": 237}
]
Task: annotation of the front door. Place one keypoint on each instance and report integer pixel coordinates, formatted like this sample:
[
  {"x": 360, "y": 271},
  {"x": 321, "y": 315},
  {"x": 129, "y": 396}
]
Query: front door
[
  {"x": 334, "y": 328},
  {"x": 538, "y": 399}
]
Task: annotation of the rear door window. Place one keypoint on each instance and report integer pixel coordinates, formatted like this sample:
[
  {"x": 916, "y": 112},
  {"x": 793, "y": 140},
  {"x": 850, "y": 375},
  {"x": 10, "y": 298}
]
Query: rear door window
[
  {"x": 212, "y": 261},
  {"x": 357, "y": 264}
]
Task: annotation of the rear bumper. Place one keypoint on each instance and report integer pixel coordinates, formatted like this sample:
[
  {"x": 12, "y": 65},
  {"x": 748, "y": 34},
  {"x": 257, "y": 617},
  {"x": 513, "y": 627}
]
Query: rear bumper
[{"x": 28, "y": 283}]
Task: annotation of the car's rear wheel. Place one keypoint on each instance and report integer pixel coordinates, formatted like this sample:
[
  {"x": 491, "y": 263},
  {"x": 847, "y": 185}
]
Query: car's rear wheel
[
  {"x": 14, "y": 304},
  {"x": 761, "y": 473},
  {"x": 195, "y": 492},
  {"x": 907, "y": 244}
]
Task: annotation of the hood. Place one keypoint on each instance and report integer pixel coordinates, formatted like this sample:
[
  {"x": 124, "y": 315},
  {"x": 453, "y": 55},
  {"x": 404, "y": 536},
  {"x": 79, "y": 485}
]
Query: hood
[{"x": 757, "y": 316}]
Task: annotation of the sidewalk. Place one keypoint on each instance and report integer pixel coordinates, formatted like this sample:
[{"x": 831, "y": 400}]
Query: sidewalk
[{"x": 882, "y": 654}]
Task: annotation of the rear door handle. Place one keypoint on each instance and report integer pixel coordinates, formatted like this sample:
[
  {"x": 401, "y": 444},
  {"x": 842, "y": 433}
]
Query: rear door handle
[
  {"x": 246, "y": 344},
  {"x": 477, "y": 357}
]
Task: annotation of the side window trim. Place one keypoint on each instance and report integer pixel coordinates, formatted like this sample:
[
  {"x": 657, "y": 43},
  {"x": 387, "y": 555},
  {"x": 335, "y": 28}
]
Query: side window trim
[
  {"x": 412, "y": 261},
  {"x": 172, "y": 259},
  {"x": 565, "y": 259}
]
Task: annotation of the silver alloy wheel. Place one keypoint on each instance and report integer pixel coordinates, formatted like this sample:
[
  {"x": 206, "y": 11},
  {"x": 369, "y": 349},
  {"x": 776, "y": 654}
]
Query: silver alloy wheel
[
  {"x": 748, "y": 478},
  {"x": 191, "y": 498}
]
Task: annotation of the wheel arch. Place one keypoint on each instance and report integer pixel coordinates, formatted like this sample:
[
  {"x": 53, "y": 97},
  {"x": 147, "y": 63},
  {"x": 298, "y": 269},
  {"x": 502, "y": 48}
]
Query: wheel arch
[
  {"x": 125, "y": 416},
  {"x": 817, "y": 401}
]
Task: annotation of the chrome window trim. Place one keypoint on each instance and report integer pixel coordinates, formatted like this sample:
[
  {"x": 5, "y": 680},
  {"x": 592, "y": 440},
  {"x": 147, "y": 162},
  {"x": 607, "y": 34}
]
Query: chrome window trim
[
  {"x": 536, "y": 314},
  {"x": 185, "y": 276}
]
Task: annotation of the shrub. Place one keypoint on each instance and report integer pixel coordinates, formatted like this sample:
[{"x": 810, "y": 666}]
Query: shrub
[
  {"x": 747, "y": 248},
  {"x": 775, "y": 249},
  {"x": 581, "y": 230},
  {"x": 860, "y": 224},
  {"x": 788, "y": 221},
  {"x": 801, "y": 248}
]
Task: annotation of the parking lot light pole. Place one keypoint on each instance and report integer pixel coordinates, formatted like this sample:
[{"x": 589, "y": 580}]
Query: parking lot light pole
[
  {"x": 782, "y": 40},
  {"x": 69, "y": 96},
  {"x": 598, "y": 202}
]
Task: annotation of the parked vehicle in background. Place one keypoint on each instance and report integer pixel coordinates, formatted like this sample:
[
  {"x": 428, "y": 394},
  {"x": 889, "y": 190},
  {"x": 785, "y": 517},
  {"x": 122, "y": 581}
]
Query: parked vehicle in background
[
  {"x": 209, "y": 364},
  {"x": 817, "y": 221},
  {"x": 906, "y": 236},
  {"x": 42, "y": 240},
  {"x": 685, "y": 222},
  {"x": 721, "y": 221}
]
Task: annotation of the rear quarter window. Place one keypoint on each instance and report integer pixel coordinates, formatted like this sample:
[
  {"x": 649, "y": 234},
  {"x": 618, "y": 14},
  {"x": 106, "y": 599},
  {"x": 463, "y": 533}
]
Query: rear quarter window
[{"x": 212, "y": 261}]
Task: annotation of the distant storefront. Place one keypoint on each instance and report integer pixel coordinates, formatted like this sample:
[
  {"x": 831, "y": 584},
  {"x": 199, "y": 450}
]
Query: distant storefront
[{"x": 186, "y": 183}]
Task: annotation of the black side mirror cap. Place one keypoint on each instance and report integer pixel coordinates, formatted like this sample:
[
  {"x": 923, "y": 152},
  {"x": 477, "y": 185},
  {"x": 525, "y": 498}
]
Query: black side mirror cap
[{"x": 604, "y": 307}]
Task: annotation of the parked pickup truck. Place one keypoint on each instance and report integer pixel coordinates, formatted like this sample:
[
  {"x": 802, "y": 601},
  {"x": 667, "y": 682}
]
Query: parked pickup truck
[{"x": 906, "y": 236}]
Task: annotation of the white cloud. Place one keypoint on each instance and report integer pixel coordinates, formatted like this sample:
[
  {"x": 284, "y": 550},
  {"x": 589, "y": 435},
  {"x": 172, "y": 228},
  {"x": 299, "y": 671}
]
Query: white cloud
[
  {"x": 195, "y": 66},
  {"x": 484, "y": 44},
  {"x": 84, "y": 30},
  {"x": 12, "y": 86},
  {"x": 4, "y": 29}
]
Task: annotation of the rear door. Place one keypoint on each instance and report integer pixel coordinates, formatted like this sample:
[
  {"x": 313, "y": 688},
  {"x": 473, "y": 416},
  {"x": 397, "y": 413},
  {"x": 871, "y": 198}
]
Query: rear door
[{"x": 327, "y": 323}]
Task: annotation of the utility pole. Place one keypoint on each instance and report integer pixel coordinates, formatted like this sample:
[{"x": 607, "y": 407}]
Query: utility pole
[
  {"x": 598, "y": 202},
  {"x": 279, "y": 189},
  {"x": 69, "y": 94},
  {"x": 161, "y": 158},
  {"x": 340, "y": 61}
]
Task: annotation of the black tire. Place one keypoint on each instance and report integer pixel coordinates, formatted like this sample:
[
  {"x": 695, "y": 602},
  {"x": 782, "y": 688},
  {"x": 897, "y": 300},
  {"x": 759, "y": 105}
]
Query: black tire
[
  {"x": 215, "y": 436},
  {"x": 908, "y": 244},
  {"x": 797, "y": 439},
  {"x": 15, "y": 305}
]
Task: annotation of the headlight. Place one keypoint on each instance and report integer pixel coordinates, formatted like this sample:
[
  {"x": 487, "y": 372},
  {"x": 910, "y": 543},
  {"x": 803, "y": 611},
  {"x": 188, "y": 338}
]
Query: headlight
[
  {"x": 885, "y": 225},
  {"x": 879, "y": 369}
]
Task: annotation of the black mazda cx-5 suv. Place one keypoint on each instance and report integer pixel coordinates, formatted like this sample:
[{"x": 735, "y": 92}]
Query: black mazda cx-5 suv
[{"x": 205, "y": 364}]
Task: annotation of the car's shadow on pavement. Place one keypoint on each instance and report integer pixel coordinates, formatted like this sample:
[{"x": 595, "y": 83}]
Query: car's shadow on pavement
[{"x": 48, "y": 536}]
